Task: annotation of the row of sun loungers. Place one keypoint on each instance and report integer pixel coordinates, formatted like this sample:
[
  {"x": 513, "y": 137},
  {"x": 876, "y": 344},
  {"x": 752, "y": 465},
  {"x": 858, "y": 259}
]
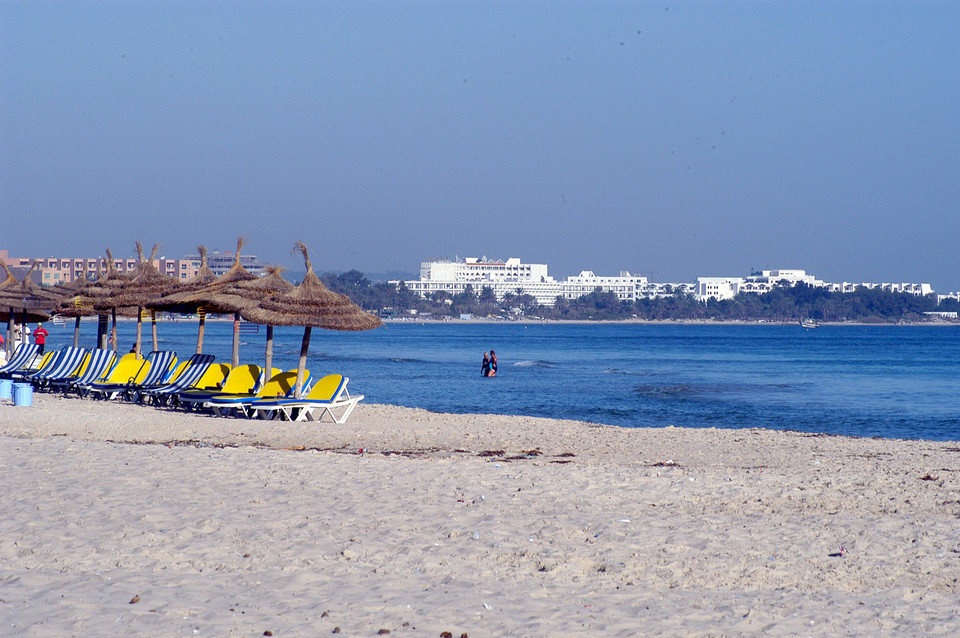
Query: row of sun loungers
[{"x": 195, "y": 384}]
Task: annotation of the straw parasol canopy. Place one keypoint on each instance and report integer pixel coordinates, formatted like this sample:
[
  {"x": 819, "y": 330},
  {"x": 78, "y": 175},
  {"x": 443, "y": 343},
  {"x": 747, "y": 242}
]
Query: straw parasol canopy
[
  {"x": 186, "y": 297},
  {"x": 72, "y": 304},
  {"x": 25, "y": 299},
  {"x": 90, "y": 293},
  {"x": 246, "y": 294},
  {"x": 311, "y": 305},
  {"x": 211, "y": 298},
  {"x": 145, "y": 284}
]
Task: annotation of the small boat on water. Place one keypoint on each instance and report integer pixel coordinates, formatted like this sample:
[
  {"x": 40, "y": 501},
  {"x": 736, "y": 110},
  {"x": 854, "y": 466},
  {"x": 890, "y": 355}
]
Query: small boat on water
[{"x": 809, "y": 323}]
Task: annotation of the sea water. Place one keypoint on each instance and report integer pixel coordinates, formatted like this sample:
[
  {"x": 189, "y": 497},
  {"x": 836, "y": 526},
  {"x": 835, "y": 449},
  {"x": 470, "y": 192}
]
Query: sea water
[{"x": 885, "y": 381}]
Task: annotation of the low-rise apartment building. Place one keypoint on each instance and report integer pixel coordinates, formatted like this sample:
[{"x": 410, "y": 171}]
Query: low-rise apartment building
[{"x": 51, "y": 271}]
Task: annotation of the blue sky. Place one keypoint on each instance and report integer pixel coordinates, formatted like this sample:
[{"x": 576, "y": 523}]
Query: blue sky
[{"x": 674, "y": 139}]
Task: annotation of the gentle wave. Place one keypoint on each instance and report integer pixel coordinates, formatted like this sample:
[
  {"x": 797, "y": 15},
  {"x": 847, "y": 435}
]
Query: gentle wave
[
  {"x": 534, "y": 364},
  {"x": 644, "y": 373},
  {"x": 676, "y": 390}
]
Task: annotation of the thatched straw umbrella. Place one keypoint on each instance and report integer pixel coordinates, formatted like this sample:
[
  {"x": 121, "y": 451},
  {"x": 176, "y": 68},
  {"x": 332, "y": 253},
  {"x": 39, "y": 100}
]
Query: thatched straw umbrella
[
  {"x": 146, "y": 284},
  {"x": 25, "y": 298},
  {"x": 87, "y": 296},
  {"x": 184, "y": 299},
  {"x": 246, "y": 294},
  {"x": 311, "y": 305},
  {"x": 211, "y": 298},
  {"x": 72, "y": 305},
  {"x": 8, "y": 282},
  {"x": 235, "y": 275}
]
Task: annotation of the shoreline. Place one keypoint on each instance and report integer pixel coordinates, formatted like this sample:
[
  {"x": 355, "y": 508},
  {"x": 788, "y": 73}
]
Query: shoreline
[
  {"x": 651, "y": 322},
  {"x": 479, "y": 524},
  {"x": 667, "y": 322}
]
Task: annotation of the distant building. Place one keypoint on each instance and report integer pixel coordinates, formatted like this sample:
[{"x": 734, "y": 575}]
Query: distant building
[
  {"x": 51, "y": 271},
  {"x": 626, "y": 287},
  {"x": 514, "y": 277},
  {"x": 503, "y": 277},
  {"x": 221, "y": 262},
  {"x": 729, "y": 287}
]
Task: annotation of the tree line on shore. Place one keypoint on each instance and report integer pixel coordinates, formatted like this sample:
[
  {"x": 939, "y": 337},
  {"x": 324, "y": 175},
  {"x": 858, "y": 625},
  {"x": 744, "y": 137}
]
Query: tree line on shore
[{"x": 785, "y": 303}]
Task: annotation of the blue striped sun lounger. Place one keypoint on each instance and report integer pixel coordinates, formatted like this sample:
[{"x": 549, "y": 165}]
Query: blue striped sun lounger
[
  {"x": 63, "y": 365},
  {"x": 21, "y": 361},
  {"x": 98, "y": 367},
  {"x": 154, "y": 370},
  {"x": 196, "y": 367}
]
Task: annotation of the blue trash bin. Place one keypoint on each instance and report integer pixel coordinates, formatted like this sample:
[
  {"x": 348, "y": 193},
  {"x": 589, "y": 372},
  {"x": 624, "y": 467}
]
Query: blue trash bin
[
  {"x": 22, "y": 394},
  {"x": 6, "y": 389}
]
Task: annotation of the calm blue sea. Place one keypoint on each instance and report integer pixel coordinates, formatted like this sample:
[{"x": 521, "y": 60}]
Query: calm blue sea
[{"x": 886, "y": 381}]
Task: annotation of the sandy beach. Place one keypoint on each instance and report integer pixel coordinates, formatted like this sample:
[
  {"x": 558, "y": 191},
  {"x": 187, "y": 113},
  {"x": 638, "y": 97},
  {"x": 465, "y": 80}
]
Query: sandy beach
[{"x": 129, "y": 520}]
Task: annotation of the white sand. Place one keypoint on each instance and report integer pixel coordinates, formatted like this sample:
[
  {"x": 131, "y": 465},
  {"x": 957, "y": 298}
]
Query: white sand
[{"x": 232, "y": 535}]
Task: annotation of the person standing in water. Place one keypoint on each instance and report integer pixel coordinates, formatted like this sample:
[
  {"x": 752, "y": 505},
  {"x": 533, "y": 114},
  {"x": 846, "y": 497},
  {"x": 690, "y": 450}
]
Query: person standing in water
[
  {"x": 485, "y": 367},
  {"x": 493, "y": 363}
]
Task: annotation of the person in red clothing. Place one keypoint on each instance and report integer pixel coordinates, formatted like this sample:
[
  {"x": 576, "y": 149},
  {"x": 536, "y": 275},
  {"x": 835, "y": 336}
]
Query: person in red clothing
[{"x": 40, "y": 337}]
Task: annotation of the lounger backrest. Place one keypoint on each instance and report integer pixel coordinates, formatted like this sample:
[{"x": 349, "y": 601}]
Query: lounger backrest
[
  {"x": 46, "y": 359},
  {"x": 72, "y": 366},
  {"x": 264, "y": 377},
  {"x": 213, "y": 376},
  {"x": 84, "y": 364},
  {"x": 125, "y": 371},
  {"x": 22, "y": 357},
  {"x": 49, "y": 361},
  {"x": 192, "y": 370},
  {"x": 160, "y": 363},
  {"x": 328, "y": 388},
  {"x": 66, "y": 363},
  {"x": 279, "y": 385},
  {"x": 241, "y": 380},
  {"x": 98, "y": 363},
  {"x": 178, "y": 371}
]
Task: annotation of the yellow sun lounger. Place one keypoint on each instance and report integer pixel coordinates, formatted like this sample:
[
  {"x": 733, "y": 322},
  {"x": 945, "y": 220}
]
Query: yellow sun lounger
[{"x": 328, "y": 396}]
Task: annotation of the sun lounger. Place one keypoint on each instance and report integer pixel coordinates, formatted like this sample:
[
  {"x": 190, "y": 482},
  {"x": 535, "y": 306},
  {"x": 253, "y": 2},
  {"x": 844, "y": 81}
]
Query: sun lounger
[
  {"x": 45, "y": 359},
  {"x": 123, "y": 371},
  {"x": 195, "y": 367},
  {"x": 63, "y": 365},
  {"x": 279, "y": 385},
  {"x": 21, "y": 362},
  {"x": 242, "y": 379},
  {"x": 96, "y": 367},
  {"x": 328, "y": 396},
  {"x": 153, "y": 371}
]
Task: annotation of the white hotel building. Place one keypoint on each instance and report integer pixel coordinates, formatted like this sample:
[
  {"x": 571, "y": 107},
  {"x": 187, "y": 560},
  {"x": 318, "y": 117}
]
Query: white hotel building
[
  {"x": 767, "y": 280},
  {"x": 513, "y": 277}
]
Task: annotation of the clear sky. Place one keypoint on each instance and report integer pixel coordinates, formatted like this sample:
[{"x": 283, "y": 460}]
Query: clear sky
[{"x": 673, "y": 139}]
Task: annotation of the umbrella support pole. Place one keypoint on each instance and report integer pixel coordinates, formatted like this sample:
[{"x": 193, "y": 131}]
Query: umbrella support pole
[
  {"x": 153, "y": 327},
  {"x": 203, "y": 319},
  {"x": 113, "y": 333},
  {"x": 102, "y": 330},
  {"x": 302, "y": 365},
  {"x": 76, "y": 332},
  {"x": 139, "y": 332},
  {"x": 268, "y": 364},
  {"x": 235, "y": 359}
]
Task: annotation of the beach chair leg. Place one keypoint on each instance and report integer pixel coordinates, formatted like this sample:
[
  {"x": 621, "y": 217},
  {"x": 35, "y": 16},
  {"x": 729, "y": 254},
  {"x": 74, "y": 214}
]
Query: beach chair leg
[{"x": 348, "y": 409}]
